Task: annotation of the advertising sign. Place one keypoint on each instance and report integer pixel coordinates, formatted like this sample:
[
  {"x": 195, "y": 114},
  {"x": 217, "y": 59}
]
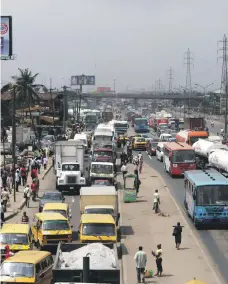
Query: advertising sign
[
  {"x": 103, "y": 90},
  {"x": 6, "y": 37},
  {"x": 82, "y": 80}
]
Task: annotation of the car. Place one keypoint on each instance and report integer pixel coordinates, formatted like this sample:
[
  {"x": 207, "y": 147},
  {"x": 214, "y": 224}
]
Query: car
[
  {"x": 101, "y": 182},
  {"x": 50, "y": 197},
  {"x": 151, "y": 147}
]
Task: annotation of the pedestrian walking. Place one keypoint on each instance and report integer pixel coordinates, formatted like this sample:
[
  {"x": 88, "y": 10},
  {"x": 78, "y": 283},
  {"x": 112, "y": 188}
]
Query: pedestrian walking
[
  {"x": 45, "y": 161},
  {"x": 2, "y": 215},
  {"x": 39, "y": 162},
  {"x": 17, "y": 179},
  {"x": 156, "y": 201},
  {"x": 158, "y": 256},
  {"x": 34, "y": 173},
  {"x": 23, "y": 175},
  {"x": 9, "y": 183},
  {"x": 177, "y": 233},
  {"x": 27, "y": 195},
  {"x": 140, "y": 259},
  {"x": 4, "y": 199},
  {"x": 124, "y": 169},
  {"x": 140, "y": 165}
]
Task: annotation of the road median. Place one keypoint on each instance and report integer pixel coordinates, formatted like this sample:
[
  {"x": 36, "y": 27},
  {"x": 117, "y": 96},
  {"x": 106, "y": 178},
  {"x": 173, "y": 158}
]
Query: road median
[{"x": 141, "y": 226}]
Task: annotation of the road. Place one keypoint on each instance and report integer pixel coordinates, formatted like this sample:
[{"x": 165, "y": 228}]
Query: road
[{"x": 215, "y": 241}]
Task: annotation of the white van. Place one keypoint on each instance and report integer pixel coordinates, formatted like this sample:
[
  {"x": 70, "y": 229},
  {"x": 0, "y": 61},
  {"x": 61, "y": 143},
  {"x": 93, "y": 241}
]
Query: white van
[{"x": 159, "y": 151}]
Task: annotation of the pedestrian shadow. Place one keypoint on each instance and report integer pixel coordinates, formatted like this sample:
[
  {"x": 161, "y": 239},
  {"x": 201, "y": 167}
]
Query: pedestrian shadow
[
  {"x": 166, "y": 275},
  {"x": 141, "y": 200},
  {"x": 183, "y": 248},
  {"x": 151, "y": 281},
  {"x": 127, "y": 231}
]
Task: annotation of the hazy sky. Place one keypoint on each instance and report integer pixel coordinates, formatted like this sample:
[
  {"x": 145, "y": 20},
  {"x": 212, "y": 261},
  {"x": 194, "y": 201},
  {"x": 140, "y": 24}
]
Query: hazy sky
[{"x": 132, "y": 41}]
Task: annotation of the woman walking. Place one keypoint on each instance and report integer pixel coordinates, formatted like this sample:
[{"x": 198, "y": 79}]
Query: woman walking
[{"x": 177, "y": 233}]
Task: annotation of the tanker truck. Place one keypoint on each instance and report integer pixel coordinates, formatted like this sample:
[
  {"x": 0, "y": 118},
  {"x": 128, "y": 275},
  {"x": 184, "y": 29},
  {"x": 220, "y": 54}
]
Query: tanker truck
[
  {"x": 219, "y": 160},
  {"x": 203, "y": 148}
]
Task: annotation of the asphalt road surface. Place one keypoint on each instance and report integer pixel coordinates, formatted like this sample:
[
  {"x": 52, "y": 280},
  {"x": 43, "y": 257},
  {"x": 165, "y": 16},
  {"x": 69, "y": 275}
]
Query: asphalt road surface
[{"x": 215, "y": 241}]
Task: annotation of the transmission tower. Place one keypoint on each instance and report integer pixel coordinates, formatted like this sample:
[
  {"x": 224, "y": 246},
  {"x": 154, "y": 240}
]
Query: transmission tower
[
  {"x": 189, "y": 61},
  {"x": 171, "y": 77},
  {"x": 224, "y": 78}
]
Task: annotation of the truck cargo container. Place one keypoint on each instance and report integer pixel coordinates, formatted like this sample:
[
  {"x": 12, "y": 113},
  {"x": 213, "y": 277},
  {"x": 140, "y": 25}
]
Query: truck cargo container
[{"x": 68, "y": 274}]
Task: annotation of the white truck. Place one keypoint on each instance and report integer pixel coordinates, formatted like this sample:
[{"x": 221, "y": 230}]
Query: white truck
[
  {"x": 99, "y": 200},
  {"x": 102, "y": 171},
  {"x": 69, "y": 163}
]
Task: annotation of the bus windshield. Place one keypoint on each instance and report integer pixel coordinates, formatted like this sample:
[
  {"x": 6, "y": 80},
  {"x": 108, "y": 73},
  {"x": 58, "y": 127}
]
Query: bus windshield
[
  {"x": 183, "y": 156},
  {"x": 212, "y": 195},
  {"x": 194, "y": 139},
  {"x": 123, "y": 125}
]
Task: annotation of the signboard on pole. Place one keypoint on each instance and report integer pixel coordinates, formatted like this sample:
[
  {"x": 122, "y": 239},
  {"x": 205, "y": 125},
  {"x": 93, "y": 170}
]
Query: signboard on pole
[
  {"x": 82, "y": 80},
  {"x": 6, "y": 37},
  {"x": 103, "y": 90}
]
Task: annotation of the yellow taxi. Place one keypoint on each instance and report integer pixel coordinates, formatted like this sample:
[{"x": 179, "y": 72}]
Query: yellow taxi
[
  {"x": 139, "y": 143},
  {"x": 27, "y": 267},
  {"x": 97, "y": 228},
  {"x": 62, "y": 208},
  {"x": 16, "y": 236},
  {"x": 49, "y": 229}
]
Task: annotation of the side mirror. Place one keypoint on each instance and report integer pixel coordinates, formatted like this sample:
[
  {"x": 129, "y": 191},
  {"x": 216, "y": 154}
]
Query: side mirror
[
  {"x": 87, "y": 168},
  {"x": 64, "y": 198},
  {"x": 71, "y": 226},
  {"x": 78, "y": 231},
  {"x": 194, "y": 196}
]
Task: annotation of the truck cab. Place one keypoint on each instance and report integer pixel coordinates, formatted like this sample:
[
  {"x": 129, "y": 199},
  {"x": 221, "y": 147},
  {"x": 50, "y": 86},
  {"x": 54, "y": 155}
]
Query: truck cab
[
  {"x": 103, "y": 155},
  {"x": 69, "y": 177},
  {"x": 102, "y": 170}
]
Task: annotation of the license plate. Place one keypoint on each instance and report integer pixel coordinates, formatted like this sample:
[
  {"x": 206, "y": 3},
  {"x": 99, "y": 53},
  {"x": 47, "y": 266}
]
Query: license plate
[{"x": 71, "y": 187}]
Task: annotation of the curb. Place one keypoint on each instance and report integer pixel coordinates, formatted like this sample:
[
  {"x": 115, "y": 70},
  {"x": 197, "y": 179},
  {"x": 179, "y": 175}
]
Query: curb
[
  {"x": 202, "y": 248},
  {"x": 122, "y": 242},
  {"x": 13, "y": 214},
  {"x": 48, "y": 170}
]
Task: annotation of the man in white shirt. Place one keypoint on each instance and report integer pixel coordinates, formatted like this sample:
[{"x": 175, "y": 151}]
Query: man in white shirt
[
  {"x": 156, "y": 201},
  {"x": 27, "y": 195},
  {"x": 124, "y": 169},
  {"x": 140, "y": 259},
  {"x": 45, "y": 161}
]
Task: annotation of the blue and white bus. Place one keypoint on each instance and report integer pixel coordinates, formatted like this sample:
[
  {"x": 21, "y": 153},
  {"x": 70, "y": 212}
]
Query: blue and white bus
[
  {"x": 141, "y": 124},
  {"x": 206, "y": 197}
]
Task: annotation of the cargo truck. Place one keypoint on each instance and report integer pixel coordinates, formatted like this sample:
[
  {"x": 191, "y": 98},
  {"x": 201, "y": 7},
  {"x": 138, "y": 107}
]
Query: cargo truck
[
  {"x": 107, "y": 116},
  {"x": 99, "y": 200},
  {"x": 71, "y": 274},
  {"x": 69, "y": 163},
  {"x": 194, "y": 123}
]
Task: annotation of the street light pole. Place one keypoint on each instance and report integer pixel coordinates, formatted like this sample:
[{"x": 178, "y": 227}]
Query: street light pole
[
  {"x": 204, "y": 96},
  {"x": 14, "y": 141}
]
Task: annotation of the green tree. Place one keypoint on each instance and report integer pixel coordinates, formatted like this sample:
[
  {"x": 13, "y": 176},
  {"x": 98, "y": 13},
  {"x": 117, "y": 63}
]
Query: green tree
[{"x": 26, "y": 94}]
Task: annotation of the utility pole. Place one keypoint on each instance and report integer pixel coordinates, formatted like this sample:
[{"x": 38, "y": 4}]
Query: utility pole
[
  {"x": 224, "y": 79},
  {"x": 14, "y": 140},
  {"x": 52, "y": 102},
  {"x": 65, "y": 106},
  {"x": 204, "y": 96},
  {"x": 189, "y": 61},
  {"x": 171, "y": 78}
]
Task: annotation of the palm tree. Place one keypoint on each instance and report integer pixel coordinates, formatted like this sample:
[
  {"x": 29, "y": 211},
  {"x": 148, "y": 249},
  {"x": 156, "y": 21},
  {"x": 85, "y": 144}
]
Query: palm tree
[{"x": 26, "y": 96}]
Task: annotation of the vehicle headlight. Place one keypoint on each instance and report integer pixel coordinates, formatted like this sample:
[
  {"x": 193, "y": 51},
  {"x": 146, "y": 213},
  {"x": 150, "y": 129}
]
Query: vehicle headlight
[{"x": 61, "y": 180}]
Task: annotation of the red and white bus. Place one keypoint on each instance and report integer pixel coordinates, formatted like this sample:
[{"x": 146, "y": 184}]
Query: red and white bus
[{"x": 178, "y": 158}]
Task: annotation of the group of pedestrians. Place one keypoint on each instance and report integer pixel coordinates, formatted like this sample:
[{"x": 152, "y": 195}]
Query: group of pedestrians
[{"x": 141, "y": 256}]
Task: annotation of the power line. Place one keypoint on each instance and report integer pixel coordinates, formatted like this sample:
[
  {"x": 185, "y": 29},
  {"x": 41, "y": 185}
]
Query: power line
[
  {"x": 224, "y": 77},
  {"x": 171, "y": 78}
]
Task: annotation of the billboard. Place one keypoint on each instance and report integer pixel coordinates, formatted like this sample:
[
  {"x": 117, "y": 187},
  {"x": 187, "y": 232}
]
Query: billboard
[
  {"x": 6, "y": 37},
  {"x": 82, "y": 80},
  {"x": 103, "y": 90}
]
